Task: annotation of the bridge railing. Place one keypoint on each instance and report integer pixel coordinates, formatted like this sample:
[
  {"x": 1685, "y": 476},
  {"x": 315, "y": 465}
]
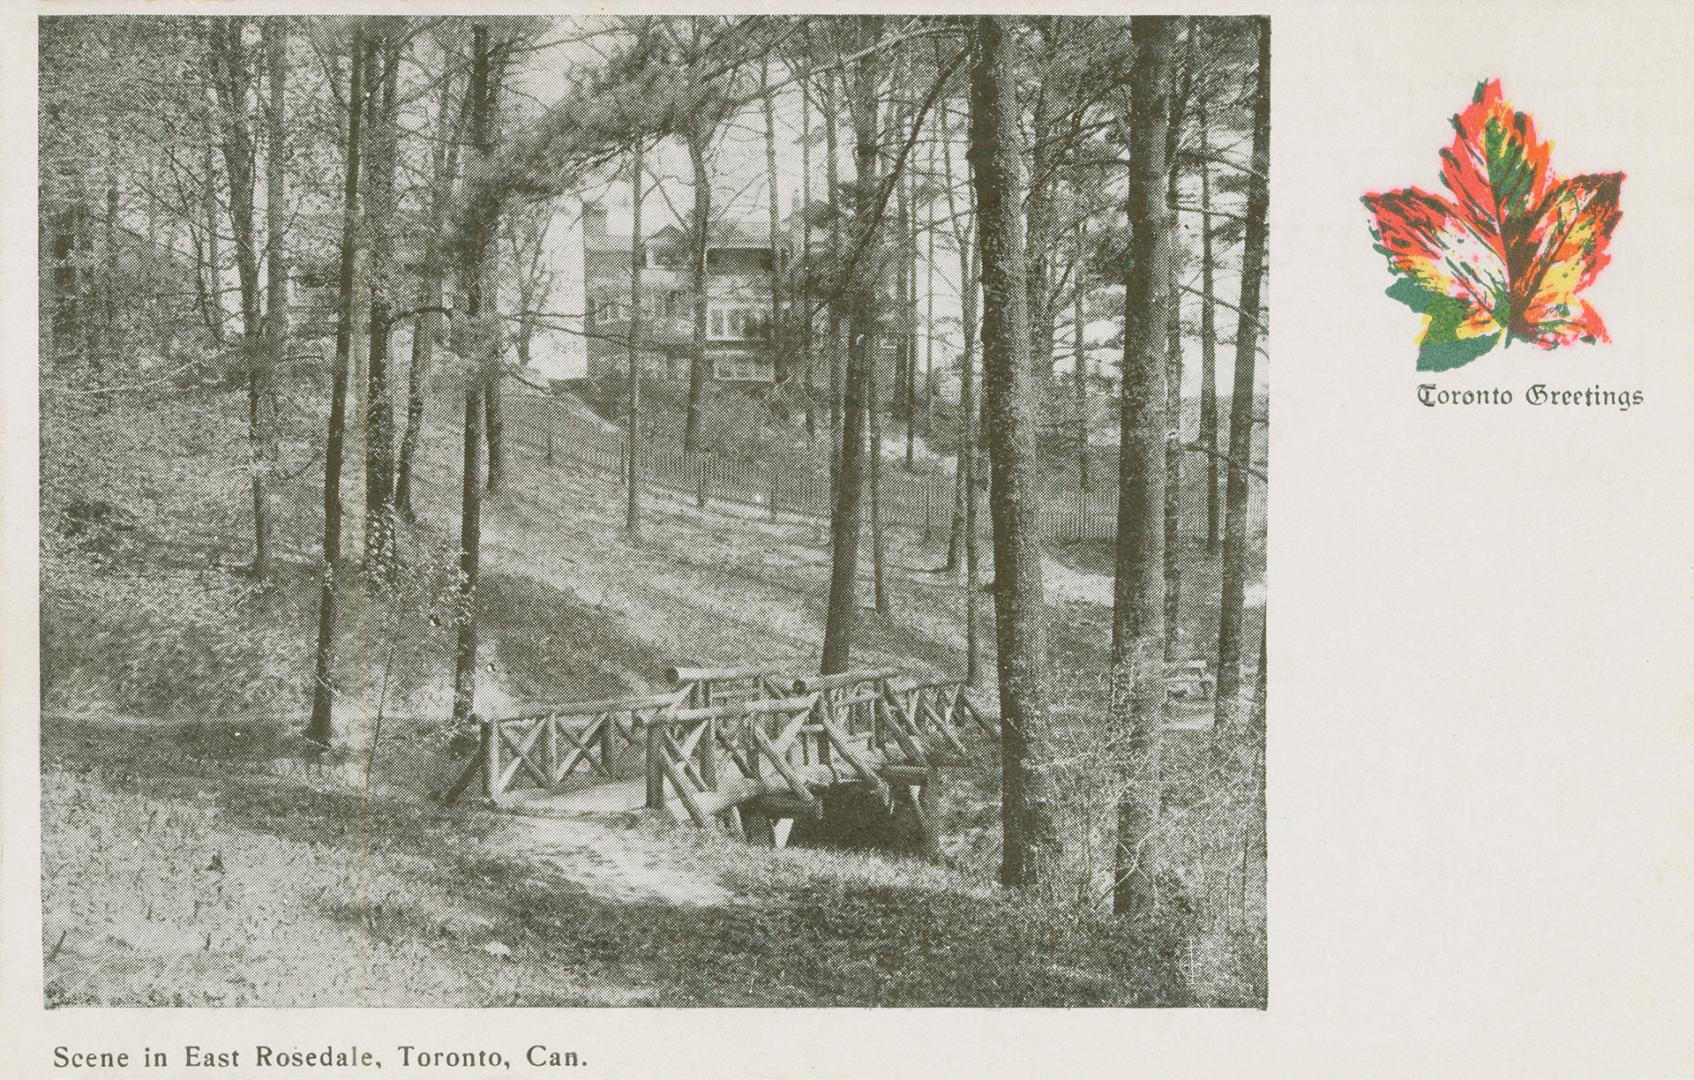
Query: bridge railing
[
  {"x": 715, "y": 756},
  {"x": 872, "y": 726},
  {"x": 706, "y": 686},
  {"x": 543, "y": 749},
  {"x": 725, "y": 734}
]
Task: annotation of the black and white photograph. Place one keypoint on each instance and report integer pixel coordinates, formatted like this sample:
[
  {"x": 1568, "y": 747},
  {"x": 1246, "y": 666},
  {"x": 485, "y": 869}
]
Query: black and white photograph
[{"x": 664, "y": 510}]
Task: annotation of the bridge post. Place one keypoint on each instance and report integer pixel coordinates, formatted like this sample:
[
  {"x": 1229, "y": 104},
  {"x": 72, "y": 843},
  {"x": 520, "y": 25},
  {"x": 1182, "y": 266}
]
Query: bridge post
[
  {"x": 550, "y": 748},
  {"x": 707, "y": 755},
  {"x": 655, "y": 774},
  {"x": 929, "y": 816},
  {"x": 758, "y": 827},
  {"x": 826, "y": 713},
  {"x": 490, "y": 754}
]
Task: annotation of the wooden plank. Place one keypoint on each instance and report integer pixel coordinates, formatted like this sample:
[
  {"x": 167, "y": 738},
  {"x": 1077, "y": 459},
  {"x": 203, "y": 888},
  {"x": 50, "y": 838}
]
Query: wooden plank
[
  {"x": 608, "y": 727},
  {"x": 683, "y": 760},
  {"x": 756, "y": 707},
  {"x": 795, "y": 784},
  {"x": 685, "y": 792},
  {"x": 893, "y": 720},
  {"x": 784, "y": 741},
  {"x": 707, "y": 745},
  {"x": 987, "y": 723},
  {"x": 685, "y": 741},
  {"x": 742, "y": 762},
  {"x": 521, "y": 757},
  {"x": 864, "y": 770},
  {"x": 550, "y": 750},
  {"x": 814, "y": 683},
  {"x": 582, "y": 749},
  {"x": 940, "y": 723},
  {"x": 580, "y": 708}
]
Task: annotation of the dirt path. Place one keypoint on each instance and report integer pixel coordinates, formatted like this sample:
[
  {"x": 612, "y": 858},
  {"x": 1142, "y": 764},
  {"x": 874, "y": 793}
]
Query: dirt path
[{"x": 196, "y": 891}]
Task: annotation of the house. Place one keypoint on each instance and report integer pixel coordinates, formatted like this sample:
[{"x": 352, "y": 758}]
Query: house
[{"x": 739, "y": 260}]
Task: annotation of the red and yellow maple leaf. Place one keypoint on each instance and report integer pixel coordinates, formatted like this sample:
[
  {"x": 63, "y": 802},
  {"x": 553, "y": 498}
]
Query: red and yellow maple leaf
[{"x": 1504, "y": 258}]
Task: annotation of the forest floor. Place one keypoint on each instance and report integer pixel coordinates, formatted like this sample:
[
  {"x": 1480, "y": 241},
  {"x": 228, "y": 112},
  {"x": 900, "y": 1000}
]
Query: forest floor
[
  {"x": 177, "y": 872},
  {"x": 192, "y": 854}
]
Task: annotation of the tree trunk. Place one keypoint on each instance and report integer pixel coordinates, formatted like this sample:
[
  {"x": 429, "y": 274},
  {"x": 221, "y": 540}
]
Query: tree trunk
[
  {"x": 1208, "y": 335},
  {"x": 632, "y": 425},
  {"x": 1032, "y": 844},
  {"x": 697, "y": 372},
  {"x": 1138, "y": 630},
  {"x": 233, "y": 79},
  {"x": 909, "y": 302},
  {"x": 1039, "y": 228},
  {"x": 903, "y": 398},
  {"x": 964, "y": 452},
  {"x": 1241, "y": 404},
  {"x": 494, "y": 402},
  {"x": 970, "y": 408},
  {"x": 837, "y": 357},
  {"x": 481, "y": 221},
  {"x": 276, "y": 249},
  {"x": 879, "y": 580},
  {"x": 929, "y": 315},
  {"x": 321, "y": 728},
  {"x": 1079, "y": 367},
  {"x": 427, "y": 326},
  {"x": 379, "y": 225},
  {"x": 805, "y": 304},
  {"x": 214, "y": 249},
  {"x": 864, "y": 295},
  {"x": 1173, "y": 371},
  {"x": 379, "y": 441},
  {"x": 107, "y": 354},
  {"x": 775, "y": 338},
  {"x": 1255, "y": 870}
]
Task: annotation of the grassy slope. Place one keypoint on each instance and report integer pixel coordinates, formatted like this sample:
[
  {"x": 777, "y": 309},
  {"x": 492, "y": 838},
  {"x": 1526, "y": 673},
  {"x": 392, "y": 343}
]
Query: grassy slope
[{"x": 328, "y": 896}]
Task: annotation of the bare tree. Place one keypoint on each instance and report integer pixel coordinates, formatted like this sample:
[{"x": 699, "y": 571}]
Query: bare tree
[
  {"x": 777, "y": 344},
  {"x": 233, "y": 82},
  {"x": 383, "y": 138},
  {"x": 275, "y": 32},
  {"x": 452, "y": 111},
  {"x": 637, "y": 259},
  {"x": 481, "y": 221},
  {"x": 321, "y": 728},
  {"x": 865, "y": 292}
]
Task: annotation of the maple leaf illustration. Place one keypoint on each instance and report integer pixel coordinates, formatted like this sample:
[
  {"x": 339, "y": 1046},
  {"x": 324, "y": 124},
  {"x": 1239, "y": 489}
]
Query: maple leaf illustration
[{"x": 1504, "y": 258}]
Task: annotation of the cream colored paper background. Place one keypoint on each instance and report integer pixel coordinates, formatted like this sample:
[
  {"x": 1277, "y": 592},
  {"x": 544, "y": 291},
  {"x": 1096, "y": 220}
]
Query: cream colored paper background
[{"x": 1481, "y": 700}]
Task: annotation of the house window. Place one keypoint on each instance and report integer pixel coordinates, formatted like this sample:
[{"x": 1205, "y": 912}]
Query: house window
[
  {"x": 737, "y": 323},
  {"x": 717, "y": 322}
]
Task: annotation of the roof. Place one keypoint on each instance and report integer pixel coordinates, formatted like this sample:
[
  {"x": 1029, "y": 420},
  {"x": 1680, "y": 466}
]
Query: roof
[{"x": 726, "y": 234}]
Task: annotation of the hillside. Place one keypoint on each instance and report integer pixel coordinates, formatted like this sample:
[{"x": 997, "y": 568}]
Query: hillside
[{"x": 185, "y": 818}]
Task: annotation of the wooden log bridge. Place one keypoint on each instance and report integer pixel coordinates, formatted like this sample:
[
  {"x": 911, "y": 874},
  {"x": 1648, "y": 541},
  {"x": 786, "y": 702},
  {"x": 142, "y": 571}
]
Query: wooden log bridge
[{"x": 730, "y": 747}]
